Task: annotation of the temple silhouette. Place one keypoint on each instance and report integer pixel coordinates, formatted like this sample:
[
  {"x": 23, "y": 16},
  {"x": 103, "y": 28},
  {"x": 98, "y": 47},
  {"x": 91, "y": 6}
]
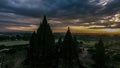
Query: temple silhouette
[{"x": 44, "y": 52}]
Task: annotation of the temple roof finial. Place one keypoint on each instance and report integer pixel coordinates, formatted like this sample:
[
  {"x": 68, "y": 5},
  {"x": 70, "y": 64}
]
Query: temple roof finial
[
  {"x": 68, "y": 29},
  {"x": 44, "y": 20}
]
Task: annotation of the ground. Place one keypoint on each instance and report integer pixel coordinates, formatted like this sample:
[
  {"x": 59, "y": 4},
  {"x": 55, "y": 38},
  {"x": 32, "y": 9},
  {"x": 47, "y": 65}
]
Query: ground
[
  {"x": 17, "y": 54},
  {"x": 12, "y": 43}
]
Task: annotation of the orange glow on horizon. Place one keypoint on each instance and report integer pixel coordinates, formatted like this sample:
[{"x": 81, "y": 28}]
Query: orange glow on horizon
[
  {"x": 83, "y": 29},
  {"x": 74, "y": 29},
  {"x": 22, "y": 28}
]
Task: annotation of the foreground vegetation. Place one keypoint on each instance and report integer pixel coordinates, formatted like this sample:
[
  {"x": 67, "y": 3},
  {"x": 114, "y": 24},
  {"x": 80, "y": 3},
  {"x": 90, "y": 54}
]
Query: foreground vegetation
[{"x": 12, "y": 43}]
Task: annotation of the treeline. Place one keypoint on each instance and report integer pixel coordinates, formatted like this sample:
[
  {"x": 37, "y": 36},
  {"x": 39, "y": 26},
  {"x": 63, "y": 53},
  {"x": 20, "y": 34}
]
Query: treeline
[
  {"x": 45, "y": 53},
  {"x": 15, "y": 37}
]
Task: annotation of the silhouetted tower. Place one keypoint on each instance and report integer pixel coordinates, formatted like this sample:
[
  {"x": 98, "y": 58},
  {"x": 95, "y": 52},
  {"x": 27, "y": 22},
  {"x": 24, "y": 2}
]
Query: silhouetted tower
[
  {"x": 46, "y": 42},
  {"x": 44, "y": 34},
  {"x": 41, "y": 53},
  {"x": 69, "y": 52}
]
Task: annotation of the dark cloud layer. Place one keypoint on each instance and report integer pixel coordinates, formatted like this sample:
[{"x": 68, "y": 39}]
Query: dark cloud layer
[
  {"x": 60, "y": 13},
  {"x": 58, "y": 7},
  {"x": 112, "y": 7}
]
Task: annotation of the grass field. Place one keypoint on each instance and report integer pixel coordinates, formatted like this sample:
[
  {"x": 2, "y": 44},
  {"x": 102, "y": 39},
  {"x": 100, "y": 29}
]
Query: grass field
[{"x": 12, "y": 43}]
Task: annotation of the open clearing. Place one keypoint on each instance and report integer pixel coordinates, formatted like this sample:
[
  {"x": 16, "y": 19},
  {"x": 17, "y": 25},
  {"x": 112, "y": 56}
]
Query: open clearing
[{"x": 12, "y": 43}]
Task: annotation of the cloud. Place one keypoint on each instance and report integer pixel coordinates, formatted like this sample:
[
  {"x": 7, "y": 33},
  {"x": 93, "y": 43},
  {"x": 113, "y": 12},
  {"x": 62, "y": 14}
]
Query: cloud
[
  {"x": 10, "y": 19},
  {"x": 61, "y": 13},
  {"x": 58, "y": 7},
  {"x": 112, "y": 7}
]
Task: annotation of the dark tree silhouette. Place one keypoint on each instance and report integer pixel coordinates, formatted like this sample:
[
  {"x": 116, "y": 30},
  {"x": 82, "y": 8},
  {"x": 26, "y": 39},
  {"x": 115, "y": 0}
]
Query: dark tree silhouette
[
  {"x": 77, "y": 52},
  {"x": 69, "y": 52},
  {"x": 77, "y": 45},
  {"x": 31, "y": 50},
  {"x": 57, "y": 52},
  {"x": 59, "y": 44}
]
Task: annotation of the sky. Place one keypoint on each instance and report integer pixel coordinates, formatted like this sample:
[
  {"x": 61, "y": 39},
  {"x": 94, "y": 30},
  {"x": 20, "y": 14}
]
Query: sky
[{"x": 82, "y": 16}]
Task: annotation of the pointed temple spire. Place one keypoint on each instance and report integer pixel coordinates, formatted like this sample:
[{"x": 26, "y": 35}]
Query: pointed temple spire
[
  {"x": 69, "y": 51},
  {"x": 68, "y": 35},
  {"x": 42, "y": 46},
  {"x": 44, "y": 20},
  {"x": 68, "y": 29}
]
